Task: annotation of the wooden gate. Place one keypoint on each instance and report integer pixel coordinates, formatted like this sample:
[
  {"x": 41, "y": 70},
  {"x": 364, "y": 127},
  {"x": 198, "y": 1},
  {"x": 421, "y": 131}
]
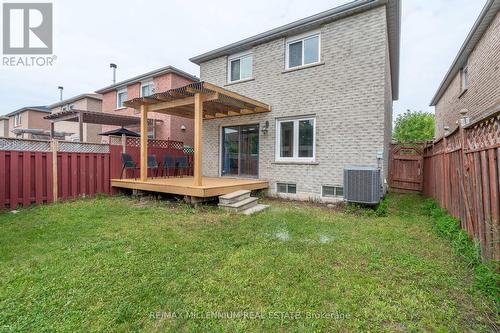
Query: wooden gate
[{"x": 406, "y": 168}]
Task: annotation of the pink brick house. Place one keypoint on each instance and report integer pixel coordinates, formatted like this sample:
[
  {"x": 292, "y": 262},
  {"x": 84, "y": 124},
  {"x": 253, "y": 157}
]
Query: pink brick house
[
  {"x": 165, "y": 78},
  {"x": 472, "y": 84}
]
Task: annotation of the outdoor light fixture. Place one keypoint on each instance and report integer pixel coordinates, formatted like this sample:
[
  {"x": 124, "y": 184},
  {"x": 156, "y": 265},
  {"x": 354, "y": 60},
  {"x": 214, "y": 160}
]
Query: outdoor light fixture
[
  {"x": 183, "y": 128},
  {"x": 265, "y": 128}
]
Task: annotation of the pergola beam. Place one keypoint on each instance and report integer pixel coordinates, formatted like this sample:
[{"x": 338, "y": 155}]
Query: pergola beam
[{"x": 186, "y": 101}]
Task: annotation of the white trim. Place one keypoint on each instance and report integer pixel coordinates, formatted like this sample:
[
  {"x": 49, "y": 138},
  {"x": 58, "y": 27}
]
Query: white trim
[
  {"x": 295, "y": 155},
  {"x": 118, "y": 92},
  {"x": 335, "y": 187},
  {"x": 302, "y": 38},
  {"x": 147, "y": 83},
  {"x": 239, "y": 56},
  {"x": 17, "y": 120}
]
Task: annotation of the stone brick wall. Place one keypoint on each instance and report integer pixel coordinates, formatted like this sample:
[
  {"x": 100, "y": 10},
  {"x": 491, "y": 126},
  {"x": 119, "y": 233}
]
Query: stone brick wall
[
  {"x": 170, "y": 127},
  {"x": 349, "y": 94},
  {"x": 484, "y": 87}
]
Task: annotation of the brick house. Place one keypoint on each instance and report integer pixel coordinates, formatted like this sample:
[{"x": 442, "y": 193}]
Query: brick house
[
  {"x": 28, "y": 123},
  {"x": 472, "y": 84},
  {"x": 88, "y": 102},
  {"x": 166, "y": 126},
  {"x": 330, "y": 78},
  {"x": 4, "y": 127}
]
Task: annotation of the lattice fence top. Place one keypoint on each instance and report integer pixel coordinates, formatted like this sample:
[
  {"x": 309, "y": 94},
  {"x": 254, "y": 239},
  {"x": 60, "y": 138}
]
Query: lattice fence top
[
  {"x": 25, "y": 145},
  {"x": 82, "y": 147},
  {"x": 155, "y": 143},
  {"x": 45, "y": 146},
  {"x": 484, "y": 134},
  {"x": 481, "y": 135}
]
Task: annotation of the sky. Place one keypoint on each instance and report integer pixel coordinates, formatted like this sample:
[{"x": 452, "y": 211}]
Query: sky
[{"x": 140, "y": 36}]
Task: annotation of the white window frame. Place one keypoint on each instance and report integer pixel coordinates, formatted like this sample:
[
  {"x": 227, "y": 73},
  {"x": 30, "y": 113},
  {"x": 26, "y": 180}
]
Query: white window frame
[
  {"x": 118, "y": 92},
  {"x": 302, "y": 38},
  {"x": 17, "y": 120},
  {"x": 335, "y": 187},
  {"x": 295, "y": 156},
  {"x": 147, "y": 83},
  {"x": 464, "y": 78},
  {"x": 234, "y": 57}
]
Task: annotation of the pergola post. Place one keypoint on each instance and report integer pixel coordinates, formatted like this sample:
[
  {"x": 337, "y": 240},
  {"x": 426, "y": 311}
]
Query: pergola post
[
  {"x": 198, "y": 137},
  {"x": 144, "y": 143}
]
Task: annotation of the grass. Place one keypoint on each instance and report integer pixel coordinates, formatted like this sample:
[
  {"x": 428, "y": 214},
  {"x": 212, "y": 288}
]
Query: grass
[{"x": 121, "y": 264}]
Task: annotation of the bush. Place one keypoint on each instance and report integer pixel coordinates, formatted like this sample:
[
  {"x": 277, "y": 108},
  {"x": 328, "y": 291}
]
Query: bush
[
  {"x": 486, "y": 277},
  {"x": 382, "y": 208}
]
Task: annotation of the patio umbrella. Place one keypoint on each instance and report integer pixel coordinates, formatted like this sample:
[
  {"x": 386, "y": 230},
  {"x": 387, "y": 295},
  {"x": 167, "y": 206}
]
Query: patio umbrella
[{"x": 121, "y": 131}]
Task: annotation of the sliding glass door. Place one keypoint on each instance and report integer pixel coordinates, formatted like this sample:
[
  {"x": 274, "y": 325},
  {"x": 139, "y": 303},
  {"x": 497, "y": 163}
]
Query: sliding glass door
[{"x": 240, "y": 151}]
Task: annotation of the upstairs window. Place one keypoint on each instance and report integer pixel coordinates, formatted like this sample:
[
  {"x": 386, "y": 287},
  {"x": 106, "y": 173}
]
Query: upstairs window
[
  {"x": 240, "y": 67},
  {"x": 465, "y": 78},
  {"x": 17, "y": 120},
  {"x": 303, "y": 50},
  {"x": 121, "y": 97},
  {"x": 295, "y": 140},
  {"x": 147, "y": 88}
]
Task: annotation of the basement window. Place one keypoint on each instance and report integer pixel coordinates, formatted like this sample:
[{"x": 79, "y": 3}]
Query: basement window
[
  {"x": 286, "y": 188},
  {"x": 332, "y": 191}
]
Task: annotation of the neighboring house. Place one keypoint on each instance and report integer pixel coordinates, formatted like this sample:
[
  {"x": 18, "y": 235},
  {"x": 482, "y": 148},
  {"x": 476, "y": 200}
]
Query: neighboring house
[
  {"x": 87, "y": 102},
  {"x": 166, "y": 126},
  {"x": 472, "y": 83},
  {"x": 28, "y": 123},
  {"x": 330, "y": 78},
  {"x": 4, "y": 127}
]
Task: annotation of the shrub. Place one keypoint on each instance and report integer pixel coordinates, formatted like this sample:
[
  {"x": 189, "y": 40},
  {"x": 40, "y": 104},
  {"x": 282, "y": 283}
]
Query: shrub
[{"x": 486, "y": 277}]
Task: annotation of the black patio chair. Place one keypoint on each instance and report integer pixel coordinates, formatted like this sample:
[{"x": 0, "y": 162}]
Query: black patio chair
[
  {"x": 182, "y": 164},
  {"x": 128, "y": 163},
  {"x": 153, "y": 164},
  {"x": 168, "y": 164}
]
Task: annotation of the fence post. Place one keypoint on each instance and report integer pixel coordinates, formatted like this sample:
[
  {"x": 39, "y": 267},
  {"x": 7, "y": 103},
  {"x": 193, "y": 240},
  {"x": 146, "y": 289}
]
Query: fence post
[
  {"x": 124, "y": 143},
  {"x": 55, "y": 149}
]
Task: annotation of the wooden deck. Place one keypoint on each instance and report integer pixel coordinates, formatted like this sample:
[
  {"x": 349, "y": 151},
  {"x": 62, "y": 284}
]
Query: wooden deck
[{"x": 211, "y": 186}]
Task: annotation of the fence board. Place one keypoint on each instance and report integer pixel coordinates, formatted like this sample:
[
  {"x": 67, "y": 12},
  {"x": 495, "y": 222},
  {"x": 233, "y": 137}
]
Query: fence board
[
  {"x": 462, "y": 172},
  {"x": 26, "y": 168}
]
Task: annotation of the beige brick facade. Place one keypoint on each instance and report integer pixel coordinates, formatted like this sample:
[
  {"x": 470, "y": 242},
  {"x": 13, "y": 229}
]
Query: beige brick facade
[
  {"x": 90, "y": 131},
  {"x": 348, "y": 93},
  {"x": 483, "y": 92}
]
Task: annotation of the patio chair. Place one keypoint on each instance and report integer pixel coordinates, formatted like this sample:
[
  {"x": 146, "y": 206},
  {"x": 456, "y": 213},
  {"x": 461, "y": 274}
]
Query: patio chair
[
  {"x": 182, "y": 164},
  {"x": 168, "y": 164},
  {"x": 153, "y": 164},
  {"x": 128, "y": 163}
]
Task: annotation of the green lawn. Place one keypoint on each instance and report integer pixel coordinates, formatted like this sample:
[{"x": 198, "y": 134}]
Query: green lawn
[{"x": 120, "y": 264}]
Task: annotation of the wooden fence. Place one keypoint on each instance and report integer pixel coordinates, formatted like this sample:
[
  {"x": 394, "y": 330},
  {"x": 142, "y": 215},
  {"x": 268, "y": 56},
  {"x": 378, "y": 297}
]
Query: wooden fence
[
  {"x": 30, "y": 173},
  {"x": 462, "y": 172},
  {"x": 406, "y": 168}
]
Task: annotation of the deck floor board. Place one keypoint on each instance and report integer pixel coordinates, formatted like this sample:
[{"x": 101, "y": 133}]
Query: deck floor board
[{"x": 211, "y": 186}]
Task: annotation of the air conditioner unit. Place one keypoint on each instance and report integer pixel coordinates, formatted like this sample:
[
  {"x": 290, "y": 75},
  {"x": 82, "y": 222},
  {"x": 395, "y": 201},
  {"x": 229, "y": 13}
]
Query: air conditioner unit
[{"x": 362, "y": 184}]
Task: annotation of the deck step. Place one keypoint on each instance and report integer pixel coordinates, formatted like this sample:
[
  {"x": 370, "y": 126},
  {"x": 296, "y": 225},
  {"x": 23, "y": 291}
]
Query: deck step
[
  {"x": 240, "y": 205},
  {"x": 255, "y": 209},
  {"x": 234, "y": 197}
]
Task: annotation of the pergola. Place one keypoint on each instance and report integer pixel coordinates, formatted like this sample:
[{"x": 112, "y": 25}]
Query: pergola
[
  {"x": 92, "y": 117},
  {"x": 200, "y": 100}
]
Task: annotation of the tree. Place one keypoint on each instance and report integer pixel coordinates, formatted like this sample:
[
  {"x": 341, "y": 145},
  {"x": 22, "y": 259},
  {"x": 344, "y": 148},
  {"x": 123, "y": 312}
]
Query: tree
[{"x": 414, "y": 126}]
